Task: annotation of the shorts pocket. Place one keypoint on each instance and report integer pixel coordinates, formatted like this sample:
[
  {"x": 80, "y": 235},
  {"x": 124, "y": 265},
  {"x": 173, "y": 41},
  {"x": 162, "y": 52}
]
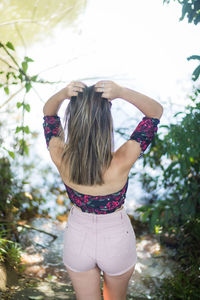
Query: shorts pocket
[
  {"x": 119, "y": 242},
  {"x": 74, "y": 240}
]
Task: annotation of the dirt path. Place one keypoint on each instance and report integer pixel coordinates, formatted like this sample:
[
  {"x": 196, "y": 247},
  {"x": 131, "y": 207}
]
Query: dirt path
[{"x": 45, "y": 276}]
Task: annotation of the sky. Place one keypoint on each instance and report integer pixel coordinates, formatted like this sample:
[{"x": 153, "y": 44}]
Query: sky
[
  {"x": 141, "y": 41},
  {"x": 138, "y": 44}
]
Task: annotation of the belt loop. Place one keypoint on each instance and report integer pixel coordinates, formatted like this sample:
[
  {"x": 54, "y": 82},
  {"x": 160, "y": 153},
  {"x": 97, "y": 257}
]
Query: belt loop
[
  {"x": 72, "y": 209},
  {"x": 121, "y": 215}
]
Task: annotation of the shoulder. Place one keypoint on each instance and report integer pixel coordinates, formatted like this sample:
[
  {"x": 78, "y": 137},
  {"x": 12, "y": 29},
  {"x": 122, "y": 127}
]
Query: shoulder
[{"x": 127, "y": 155}]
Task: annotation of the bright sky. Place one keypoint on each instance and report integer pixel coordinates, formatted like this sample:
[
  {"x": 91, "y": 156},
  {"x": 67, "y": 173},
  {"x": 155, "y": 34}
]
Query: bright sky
[
  {"x": 137, "y": 41},
  {"x": 140, "y": 44}
]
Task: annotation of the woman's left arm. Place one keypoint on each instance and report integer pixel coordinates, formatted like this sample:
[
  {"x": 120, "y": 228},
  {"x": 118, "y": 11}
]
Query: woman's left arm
[{"x": 52, "y": 105}]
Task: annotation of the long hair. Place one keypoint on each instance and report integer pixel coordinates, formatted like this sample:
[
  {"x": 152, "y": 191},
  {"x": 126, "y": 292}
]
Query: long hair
[{"x": 89, "y": 143}]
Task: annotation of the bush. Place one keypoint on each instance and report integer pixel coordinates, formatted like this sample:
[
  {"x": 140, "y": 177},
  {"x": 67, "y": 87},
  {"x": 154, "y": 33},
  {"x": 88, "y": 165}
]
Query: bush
[
  {"x": 176, "y": 213},
  {"x": 177, "y": 159}
]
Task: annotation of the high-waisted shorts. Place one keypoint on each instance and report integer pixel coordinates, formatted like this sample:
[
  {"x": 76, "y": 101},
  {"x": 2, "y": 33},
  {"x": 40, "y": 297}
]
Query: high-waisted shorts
[{"x": 106, "y": 241}]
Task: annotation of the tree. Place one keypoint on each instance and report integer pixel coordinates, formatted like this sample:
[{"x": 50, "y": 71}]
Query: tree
[
  {"x": 25, "y": 21},
  {"x": 191, "y": 10}
]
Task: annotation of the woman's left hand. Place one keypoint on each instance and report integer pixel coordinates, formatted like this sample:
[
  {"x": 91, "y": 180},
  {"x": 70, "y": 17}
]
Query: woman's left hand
[{"x": 73, "y": 88}]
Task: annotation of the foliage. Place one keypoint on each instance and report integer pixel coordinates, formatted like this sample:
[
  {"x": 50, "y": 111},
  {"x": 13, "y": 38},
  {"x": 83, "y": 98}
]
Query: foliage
[
  {"x": 196, "y": 72},
  {"x": 15, "y": 204},
  {"x": 18, "y": 199},
  {"x": 16, "y": 75},
  {"x": 175, "y": 214},
  {"x": 184, "y": 284},
  {"x": 190, "y": 9},
  {"x": 10, "y": 252},
  {"x": 177, "y": 156},
  {"x": 25, "y": 21},
  {"x": 15, "y": 201}
]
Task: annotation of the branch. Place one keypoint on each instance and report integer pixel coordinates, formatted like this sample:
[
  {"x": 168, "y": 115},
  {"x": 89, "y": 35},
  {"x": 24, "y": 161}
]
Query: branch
[
  {"x": 13, "y": 95},
  {"x": 40, "y": 230},
  {"x": 30, "y": 228},
  {"x": 22, "y": 21},
  {"x": 21, "y": 37},
  {"x": 57, "y": 65},
  {"x": 9, "y": 54},
  {"x": 7, "y": 63},
  {"x": 37, "y": 94}
]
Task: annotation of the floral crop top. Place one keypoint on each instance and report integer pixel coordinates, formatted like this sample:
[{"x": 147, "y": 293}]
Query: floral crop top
[
  {"x": 97, "y": 204},
  {"x": 143, "y": 134}
]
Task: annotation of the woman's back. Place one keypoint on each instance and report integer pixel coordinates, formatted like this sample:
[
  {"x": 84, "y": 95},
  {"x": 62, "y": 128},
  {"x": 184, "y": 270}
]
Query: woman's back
[{"x": 114, "y": 178}]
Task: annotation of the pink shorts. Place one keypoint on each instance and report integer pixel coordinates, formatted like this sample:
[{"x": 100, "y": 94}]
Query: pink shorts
[{"x": 106, "y": 241}]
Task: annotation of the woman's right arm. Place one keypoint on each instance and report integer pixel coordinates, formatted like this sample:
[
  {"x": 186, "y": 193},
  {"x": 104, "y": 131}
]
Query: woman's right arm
[
  {"x": 144, "y": 133},
  {"x": 149, "y": 107}
]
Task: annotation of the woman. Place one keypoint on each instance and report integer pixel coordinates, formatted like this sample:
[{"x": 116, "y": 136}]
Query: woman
[{"x": 98, "y": 236}]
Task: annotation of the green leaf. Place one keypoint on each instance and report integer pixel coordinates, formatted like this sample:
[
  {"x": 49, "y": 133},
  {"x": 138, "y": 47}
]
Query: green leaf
[
  {"x": 18, "y": 129},
  {"x": 10, "y": 46},
  {"x": 26, "y": 150},
  {"x": 26, "y": 129},
  {"x": 12, "y": 154},
  {"x": 19, "y": 104},
  {"x": 28, "y": 59},
  {"x": 20, "y": 76},
  {"x": 28, "y": 86},
  {"x": 145, "y": 215},
  {"x": 3, "y": 250},
  {"x": 154, "y": 218},
  {"x": 193, "y": 57},
  {"x": 27, "y": 107},
  {"x": 178, "y": 113},
  {"x": 24, "y": 66},
  {"x": 196, "y": 73},
  {"x": 34, "y": 78},
  {"x": 6, "y": 90},
  {"x": 164, "y": 126}
]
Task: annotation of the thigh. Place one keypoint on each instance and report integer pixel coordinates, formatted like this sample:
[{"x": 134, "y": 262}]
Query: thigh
[
  {"x": 115, "y": 287},
  {"x": 86, "y": 284}
]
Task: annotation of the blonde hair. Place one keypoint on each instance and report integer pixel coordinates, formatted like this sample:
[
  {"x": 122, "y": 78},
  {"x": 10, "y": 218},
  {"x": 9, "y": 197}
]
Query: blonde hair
[{"x": 89, "y": 143}]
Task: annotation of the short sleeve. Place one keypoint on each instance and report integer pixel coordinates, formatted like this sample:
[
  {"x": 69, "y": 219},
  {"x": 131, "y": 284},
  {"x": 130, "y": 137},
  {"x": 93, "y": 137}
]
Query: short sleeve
[
  {"x": 144, "y": 132},
  {"x": 52, "y": 127}
]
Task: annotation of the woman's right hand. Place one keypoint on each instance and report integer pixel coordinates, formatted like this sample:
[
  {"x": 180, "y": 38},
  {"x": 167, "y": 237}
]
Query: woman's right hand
[{"x": 109, "y": 89}]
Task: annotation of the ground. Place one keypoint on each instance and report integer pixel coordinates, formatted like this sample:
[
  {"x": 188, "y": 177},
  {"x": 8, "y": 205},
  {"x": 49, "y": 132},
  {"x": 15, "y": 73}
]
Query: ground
[{"x": 45, "y": 277}]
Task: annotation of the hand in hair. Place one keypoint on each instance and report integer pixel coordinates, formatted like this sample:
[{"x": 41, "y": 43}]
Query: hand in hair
[
  {"x": 109, "y": 89},
  {"x": 73, "y": 88}
]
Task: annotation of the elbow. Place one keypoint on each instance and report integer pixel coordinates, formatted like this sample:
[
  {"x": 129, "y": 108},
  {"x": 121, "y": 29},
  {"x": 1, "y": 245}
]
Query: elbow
[
  {"x": 157, "y": 112},
  {"x": 160, "y": 111},
  {"x": 44, "y": 110}
]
